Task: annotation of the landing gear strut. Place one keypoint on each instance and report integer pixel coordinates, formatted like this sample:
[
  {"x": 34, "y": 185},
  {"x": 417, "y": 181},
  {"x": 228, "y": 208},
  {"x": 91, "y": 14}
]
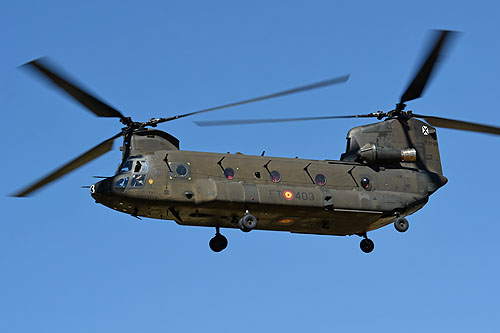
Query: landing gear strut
[
  {"x": 401, "y": 224},
  {"x": 218, "y": 242},
  {"x": 366, "y": 244}
]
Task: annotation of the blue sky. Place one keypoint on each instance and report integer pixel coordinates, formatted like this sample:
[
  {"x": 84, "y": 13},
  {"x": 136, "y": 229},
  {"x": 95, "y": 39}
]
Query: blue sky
[{"x": 69, "y": 265}]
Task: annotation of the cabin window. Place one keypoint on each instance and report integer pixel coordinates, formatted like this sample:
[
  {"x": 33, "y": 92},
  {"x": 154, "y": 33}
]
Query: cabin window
[
  {"x": 181, "y": 170},
  {"x": 121, "y": 183},
  {"x": 138, "y": 181},
  {"x": 275, "y": 176},
  {"x": 320, "y": 179},
  {"x": 366, "y": 183},
  {"x": 229, "y": 173},
  {"x": 127, "y": 166}
]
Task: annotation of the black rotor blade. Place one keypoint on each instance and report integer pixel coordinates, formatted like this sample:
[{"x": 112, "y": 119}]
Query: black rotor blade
[
  {"x": 275, "y": 120},
  {"x": 42, "y": 67},
  {"x": 316, "y": 85},
  {"x": 86, "y": 157},
  {"x": 417, "y": 85},
  {"x": 459, "y": 125}
]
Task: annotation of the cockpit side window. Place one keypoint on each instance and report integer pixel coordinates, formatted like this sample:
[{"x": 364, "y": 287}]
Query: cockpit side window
[
  {"x": 138, "y": 166},
  {"x": 139, "y": 177}
]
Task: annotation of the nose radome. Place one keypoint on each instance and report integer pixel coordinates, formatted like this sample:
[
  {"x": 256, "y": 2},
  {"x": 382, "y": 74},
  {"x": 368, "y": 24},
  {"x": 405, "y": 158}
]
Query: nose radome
[{"x": 102, "y": 187}]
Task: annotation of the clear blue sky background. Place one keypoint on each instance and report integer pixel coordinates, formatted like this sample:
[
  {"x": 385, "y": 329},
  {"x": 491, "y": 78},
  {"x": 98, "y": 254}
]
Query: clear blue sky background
[{"x": 70, "y": 265}]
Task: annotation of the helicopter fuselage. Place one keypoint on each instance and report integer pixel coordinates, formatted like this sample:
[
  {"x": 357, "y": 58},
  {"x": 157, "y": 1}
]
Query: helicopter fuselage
[{"x": 285, "y": 194}]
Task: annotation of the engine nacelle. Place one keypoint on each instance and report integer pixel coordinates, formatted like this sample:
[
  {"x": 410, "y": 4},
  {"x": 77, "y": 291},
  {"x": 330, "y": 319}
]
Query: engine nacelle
[
  {"x": 395, "y": 141},
  {"x": 371, "y": 153}
]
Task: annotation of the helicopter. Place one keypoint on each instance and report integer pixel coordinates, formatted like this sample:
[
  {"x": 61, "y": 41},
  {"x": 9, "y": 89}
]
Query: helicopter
[{"x": 389, "y": 169}]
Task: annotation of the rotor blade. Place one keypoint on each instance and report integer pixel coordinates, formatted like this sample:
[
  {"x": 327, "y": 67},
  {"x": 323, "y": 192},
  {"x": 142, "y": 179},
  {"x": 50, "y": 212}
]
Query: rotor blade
[
  {"x": 459, "y": 125},
  {"x": 276, "y": 120},
  {"x": 86, "y": 157},
  {"x": 99, "y": 108},
  {"x": 312, "y": 86},
  {"x": 417, "y": 86}
]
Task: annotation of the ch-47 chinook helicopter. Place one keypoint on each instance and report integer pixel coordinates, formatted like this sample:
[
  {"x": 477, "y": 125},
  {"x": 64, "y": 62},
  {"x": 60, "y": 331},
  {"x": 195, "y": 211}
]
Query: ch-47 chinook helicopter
[{"x": 388, "y": 171}]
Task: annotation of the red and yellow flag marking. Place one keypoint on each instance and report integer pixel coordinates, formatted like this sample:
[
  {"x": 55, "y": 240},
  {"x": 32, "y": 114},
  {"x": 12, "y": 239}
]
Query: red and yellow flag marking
[{"x": 288, "y": 195}]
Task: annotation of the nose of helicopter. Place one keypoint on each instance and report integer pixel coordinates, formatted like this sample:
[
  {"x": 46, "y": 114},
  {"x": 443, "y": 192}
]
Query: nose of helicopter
[{"x": 101, "y": 188}]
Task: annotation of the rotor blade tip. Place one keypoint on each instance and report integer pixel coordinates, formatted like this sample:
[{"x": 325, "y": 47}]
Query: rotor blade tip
[
  {"x": 18, "y": 195},
  {"x": 33, "y": 62}
]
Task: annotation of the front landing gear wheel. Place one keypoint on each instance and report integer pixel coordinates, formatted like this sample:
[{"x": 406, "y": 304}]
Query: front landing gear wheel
[
  {"x": 401, "y": 224},
  {"x": 367, "y": 245},
  {"x": 218, "y": 242}
]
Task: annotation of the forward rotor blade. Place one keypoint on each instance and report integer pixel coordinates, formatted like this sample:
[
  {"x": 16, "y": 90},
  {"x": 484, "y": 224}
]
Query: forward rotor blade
[
  {"x": 417, "y": 86},
  {"x": 459, "y": 125},
  {"x": 276, "y": 120},
  {"x": 99, "y": 108},
  {"x": 312, "y": 86},
  {"x": 86, "y": 157}
]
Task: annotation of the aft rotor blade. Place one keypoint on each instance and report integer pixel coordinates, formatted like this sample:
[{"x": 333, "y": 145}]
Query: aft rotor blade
[
  {"x": 312, "y": 86},
  {"x": 459, "y": 125},
  {"x": 275, "y": 120},
  {"x": 417, "y": 85},
  {"x": 86, "y": 157},
  {"x": 42, "y": 67}
]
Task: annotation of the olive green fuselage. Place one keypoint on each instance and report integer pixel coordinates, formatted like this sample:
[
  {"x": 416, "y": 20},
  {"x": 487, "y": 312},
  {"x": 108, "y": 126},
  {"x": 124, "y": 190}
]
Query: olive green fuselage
[{"x": 159, "y": 181}]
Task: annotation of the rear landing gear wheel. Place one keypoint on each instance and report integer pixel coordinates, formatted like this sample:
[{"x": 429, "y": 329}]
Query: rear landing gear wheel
[
  {"x": 218, "y": 242},
  {"x": 401, "y": 224},
  {"x": 367, "y": 245},
  {"x": 247, "y": 223}
]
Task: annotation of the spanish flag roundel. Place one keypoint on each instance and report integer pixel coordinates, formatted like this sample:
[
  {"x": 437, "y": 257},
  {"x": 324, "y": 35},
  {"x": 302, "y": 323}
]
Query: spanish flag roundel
[{"x": 288, "y": 195}]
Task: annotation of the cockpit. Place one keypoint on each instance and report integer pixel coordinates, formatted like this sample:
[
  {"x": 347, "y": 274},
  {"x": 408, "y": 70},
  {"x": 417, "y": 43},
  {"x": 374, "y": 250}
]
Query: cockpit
[{"x": 132, "y": 173}]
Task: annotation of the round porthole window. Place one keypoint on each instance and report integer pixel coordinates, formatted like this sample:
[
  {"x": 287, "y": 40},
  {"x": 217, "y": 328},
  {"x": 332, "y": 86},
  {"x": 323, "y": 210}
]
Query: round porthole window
[
  {"x": 275, "y": 176},
  {"x": 366, "y": 184},
  {"x": 320, "y": 179},
  {"x": 181, "y": 170},
  {"x": 229, "y": 173}
]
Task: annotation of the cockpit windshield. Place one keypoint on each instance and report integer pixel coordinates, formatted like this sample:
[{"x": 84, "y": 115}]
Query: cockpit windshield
[
  {"x": 137, "y": 166},
  {"x": 139, "y": 170},
  {"x": 138, "y": 181},
  {"x": 127, "y": 166}
]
